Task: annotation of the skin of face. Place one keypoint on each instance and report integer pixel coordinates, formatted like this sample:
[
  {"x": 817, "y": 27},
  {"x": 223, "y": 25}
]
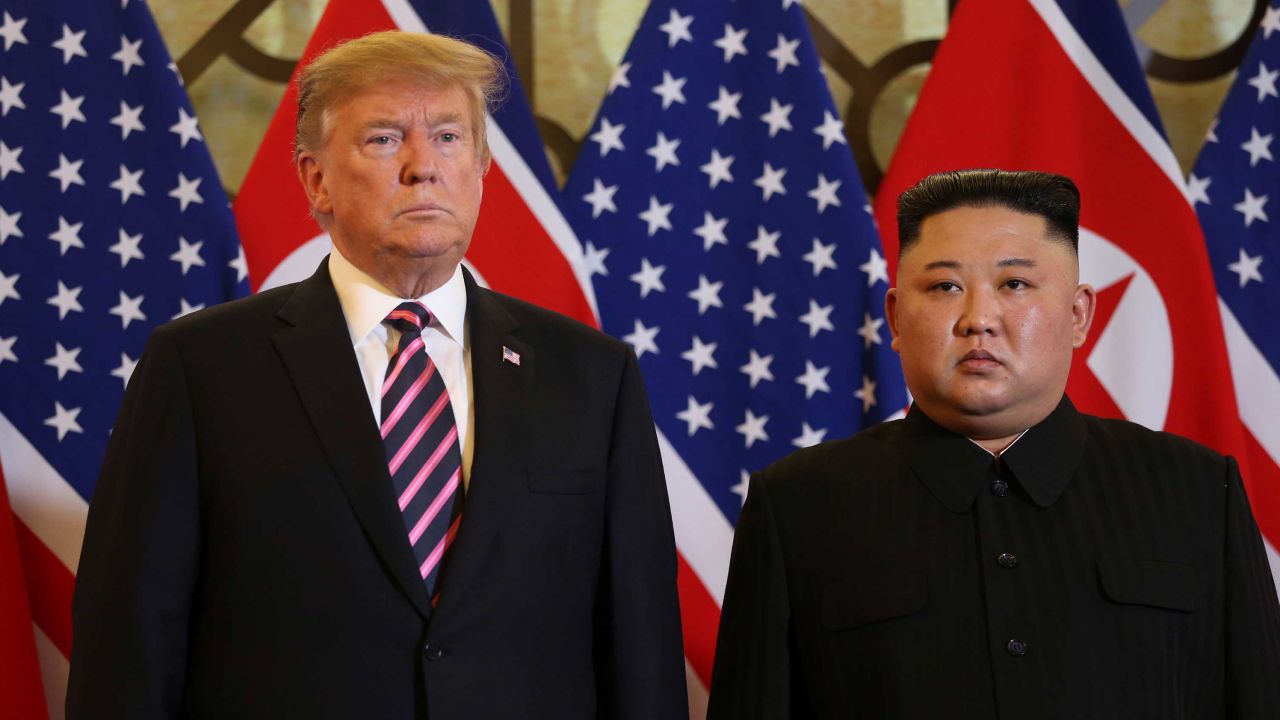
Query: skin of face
[
  {"x": 985, "y": 316},
  {"x": 398, "y": 182}
]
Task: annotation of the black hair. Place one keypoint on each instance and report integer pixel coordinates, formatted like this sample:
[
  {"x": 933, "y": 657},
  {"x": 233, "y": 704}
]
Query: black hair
[{"x": 1053, "y": 197}]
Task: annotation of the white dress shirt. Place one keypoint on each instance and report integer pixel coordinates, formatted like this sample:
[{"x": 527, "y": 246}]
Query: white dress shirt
[{"x": 367, "y": 302}]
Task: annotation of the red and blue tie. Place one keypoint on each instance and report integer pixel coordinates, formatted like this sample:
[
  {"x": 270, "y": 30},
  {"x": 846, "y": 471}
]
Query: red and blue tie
[{"x": 421, "y": 440}]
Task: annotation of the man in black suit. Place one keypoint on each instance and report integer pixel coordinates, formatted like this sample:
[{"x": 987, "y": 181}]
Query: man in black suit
[
  {"x": 384, "y": 491},
  {"x": 996, "y": 553}
]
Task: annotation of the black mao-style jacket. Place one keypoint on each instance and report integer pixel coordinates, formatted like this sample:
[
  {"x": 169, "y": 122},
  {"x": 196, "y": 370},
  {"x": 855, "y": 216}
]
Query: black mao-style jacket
[{"x": 1096, "y": 570}]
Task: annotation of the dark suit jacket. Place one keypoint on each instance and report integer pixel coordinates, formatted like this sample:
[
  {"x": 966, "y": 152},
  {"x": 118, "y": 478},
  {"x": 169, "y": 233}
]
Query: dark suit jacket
[
  {"x": 245, "y": 558},
  {"x": 1098, "y": 570}
]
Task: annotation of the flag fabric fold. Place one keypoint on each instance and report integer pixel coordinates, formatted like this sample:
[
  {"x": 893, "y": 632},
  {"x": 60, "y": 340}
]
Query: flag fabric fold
[{"x": 732, "y": 246}]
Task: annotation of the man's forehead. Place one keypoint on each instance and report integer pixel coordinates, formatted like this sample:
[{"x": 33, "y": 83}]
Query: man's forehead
[
  {"x": 986, "y": 231},
  {"x": 1043, "y": 253},
  {"x": 1038, "y": 256},
  {"x": 991, "y": 216},
  {"x": 401, "y": 95}
]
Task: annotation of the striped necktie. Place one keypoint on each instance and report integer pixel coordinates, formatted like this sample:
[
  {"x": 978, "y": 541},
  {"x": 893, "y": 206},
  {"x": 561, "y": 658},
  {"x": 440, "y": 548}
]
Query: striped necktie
[{"x": 421, "y": 440}]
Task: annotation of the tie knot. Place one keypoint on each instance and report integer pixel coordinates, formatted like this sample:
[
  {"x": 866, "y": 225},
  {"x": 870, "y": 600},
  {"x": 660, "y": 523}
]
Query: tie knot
[{"x": 409, "y": 317}]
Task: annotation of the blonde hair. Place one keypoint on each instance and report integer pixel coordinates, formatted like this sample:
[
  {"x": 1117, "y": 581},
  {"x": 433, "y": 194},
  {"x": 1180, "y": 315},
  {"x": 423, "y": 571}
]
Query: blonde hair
[{"x": 354, "y": 65}]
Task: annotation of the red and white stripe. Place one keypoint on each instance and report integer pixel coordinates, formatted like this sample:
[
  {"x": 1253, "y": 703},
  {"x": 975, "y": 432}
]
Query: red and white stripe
[
  {"x": 1258, "y": 396},
  {"x": 49, "y": 520}
]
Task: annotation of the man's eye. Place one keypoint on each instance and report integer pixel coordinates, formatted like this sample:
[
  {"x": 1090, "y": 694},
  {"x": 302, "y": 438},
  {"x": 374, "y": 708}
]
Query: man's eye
[
  {"x": 945, "y": 286},
  {"x": 1016, "y": 284},
  {"x": 449, "y": 137},
  {"x": 381, "y": 140}
]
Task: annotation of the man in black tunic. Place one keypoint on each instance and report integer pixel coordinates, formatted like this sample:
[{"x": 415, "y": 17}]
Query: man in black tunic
[{"x": 997, "y": 553}]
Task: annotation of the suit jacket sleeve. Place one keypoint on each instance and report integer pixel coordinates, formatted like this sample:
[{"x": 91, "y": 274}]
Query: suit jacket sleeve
[
  {"x": 138, "y": 566},
  {"x": 1253, "y": 614},
  {"x": 640, "y": 656},
  {"x": 756, "y": 673}
]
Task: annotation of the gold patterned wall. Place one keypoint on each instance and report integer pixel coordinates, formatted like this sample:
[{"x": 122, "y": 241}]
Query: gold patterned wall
[{"x": 236, "y": 56}]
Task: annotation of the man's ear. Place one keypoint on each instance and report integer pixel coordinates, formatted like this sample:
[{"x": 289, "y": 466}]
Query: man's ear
[
  {"x": 1082, "y": 308},
  {"x": 311, "y": 175},
  {"x": 891, "y": 314}
]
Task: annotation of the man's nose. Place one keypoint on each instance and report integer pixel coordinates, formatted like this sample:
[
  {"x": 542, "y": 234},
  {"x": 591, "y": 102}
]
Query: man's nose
[
  {"x": 420, "y": 162},
  {"x": 980, "y": 315}
]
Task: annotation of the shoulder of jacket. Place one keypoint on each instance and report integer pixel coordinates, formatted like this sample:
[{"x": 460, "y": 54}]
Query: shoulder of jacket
[
  {"x": 872, "y": 449},
  {"x": 230, "y": 314},
  {"x": 537, "y": 320},
  {"x": 1114, "y": 433}
]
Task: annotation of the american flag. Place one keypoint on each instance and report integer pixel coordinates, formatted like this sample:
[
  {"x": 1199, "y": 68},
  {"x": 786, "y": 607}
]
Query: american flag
[
  {"x": 112, "y": 221},
  {"x": 731, "y": 245},
  {"x": 1235, "y": 178}
]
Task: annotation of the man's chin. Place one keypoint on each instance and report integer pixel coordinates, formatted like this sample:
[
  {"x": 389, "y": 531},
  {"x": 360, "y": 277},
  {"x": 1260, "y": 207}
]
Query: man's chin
[
  {"x": 964, "y": 408},
  {"x": 986, "y": 407},
  {"x": 974, "y": 415},
  {"x": 978, "y": 399},
  {"x": 431, "y": 247}
]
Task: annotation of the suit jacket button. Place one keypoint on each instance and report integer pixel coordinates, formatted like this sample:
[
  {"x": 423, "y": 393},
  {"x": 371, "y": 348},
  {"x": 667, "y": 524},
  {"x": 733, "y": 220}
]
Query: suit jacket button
[
  {"x": 999, "y": 488},
  {"x": 1007, "y": 560},
  {"x": 1016, "y": 648},
  {"x": 433, "y": 652}
]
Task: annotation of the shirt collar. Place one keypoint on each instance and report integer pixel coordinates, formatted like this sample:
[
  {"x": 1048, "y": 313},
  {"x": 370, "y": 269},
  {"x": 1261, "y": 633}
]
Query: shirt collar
[
  {"x": 367, "y": 302},
  {"x": 955, "y": 469}
]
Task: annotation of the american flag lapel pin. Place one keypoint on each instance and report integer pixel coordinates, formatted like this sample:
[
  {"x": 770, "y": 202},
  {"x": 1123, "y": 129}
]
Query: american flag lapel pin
[{"x": 511, "y": 356}]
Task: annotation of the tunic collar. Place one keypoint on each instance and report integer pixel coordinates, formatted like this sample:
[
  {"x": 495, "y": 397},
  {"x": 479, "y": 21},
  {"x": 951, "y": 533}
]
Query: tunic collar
[{"x": 955, "y": 470}]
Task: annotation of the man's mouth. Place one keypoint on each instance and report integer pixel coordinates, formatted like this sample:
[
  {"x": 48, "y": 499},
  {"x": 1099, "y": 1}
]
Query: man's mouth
[
  {"x": 424, "y": 207},
  {"x": 978, "y": 358}
]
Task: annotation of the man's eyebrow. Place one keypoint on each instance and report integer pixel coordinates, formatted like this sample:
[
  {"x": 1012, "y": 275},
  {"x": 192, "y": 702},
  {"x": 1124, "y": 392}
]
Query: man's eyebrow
[
  {"x": 379, "y": 123},
  {"x": 386, "y": 122},
  {"x": 445, "y": 118},
  {"x": 1003, "y": 262},
  {"x": 1016, "y": 262},
  {"x": 949, "y": 264}
]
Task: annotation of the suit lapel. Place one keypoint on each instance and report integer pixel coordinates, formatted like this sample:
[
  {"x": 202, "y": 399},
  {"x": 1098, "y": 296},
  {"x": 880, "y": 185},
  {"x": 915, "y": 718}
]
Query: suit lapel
[
  {"x": 316, "y": 349},
  {"x": 500, "y": 389}
]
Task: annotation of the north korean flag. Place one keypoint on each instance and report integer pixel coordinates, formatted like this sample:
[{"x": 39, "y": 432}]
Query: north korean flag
[{"x": 1056, "y": 86}]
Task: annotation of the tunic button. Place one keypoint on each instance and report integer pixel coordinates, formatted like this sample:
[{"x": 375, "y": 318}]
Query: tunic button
[
  {"x": 999, "y": 488},
  {"x": 433, "y": 652},
  {"x": 1016, "y": 648},
  {"x": 1007, "y": 560}
]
